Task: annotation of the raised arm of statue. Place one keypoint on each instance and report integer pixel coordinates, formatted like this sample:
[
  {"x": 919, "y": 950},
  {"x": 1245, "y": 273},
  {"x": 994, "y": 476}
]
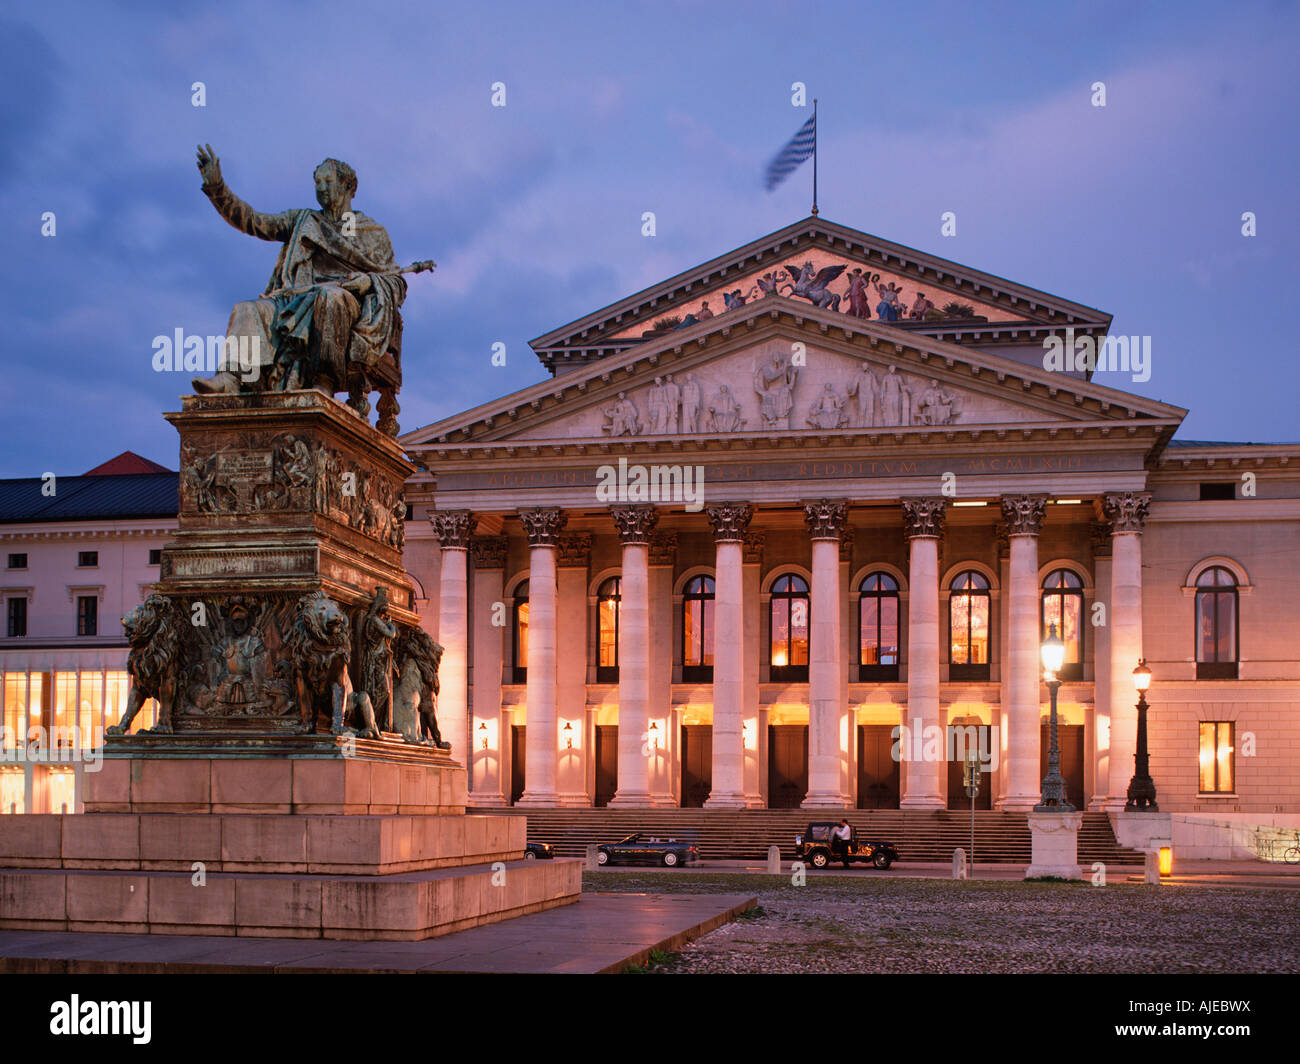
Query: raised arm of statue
[{"x": 277, "y": 227}]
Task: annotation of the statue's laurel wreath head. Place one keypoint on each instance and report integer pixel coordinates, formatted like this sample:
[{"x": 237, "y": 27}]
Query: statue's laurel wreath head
[{"x": 343, "y": 171}]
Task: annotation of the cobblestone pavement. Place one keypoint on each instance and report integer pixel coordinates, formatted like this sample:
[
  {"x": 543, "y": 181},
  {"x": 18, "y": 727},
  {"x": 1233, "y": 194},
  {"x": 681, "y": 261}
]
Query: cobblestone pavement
[{"x": 895, "y": 926}]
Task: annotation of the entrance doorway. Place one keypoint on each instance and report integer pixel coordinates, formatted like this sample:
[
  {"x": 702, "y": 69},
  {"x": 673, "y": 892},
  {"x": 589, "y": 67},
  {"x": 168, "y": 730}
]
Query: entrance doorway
[
  {"x": 787, "y": 765},
  {"x": 697, "y": 764},
  {"x": 518, "y": 746},
  {"x": 972, "y": 738},
  {"x": 1070, "y": 739},
  {"x": 606, "y": 762},
  {"x": 878, "y": 772}
]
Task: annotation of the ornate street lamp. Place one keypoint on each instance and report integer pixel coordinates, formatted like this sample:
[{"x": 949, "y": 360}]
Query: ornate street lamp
[
  {"x": 1141, "y": 788},
  {"x": 1054, "y": 799}
]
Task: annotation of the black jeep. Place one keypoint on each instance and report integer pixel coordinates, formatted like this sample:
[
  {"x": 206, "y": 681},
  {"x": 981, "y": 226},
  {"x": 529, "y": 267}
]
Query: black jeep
[{"x": 815, "y": 847}]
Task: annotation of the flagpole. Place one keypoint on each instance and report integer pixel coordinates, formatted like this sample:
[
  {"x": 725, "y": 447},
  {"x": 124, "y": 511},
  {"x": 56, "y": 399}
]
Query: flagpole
[{"x": 814, "y": 210}]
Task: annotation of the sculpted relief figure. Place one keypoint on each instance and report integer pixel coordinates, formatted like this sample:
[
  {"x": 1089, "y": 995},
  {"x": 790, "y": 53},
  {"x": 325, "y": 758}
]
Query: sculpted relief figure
[
  {"x": 691, "y": 400},
  {"x": 377, "y": 635},
  {"x": 724, "y": 412},
  {"x": 774, "y": 383},
  {"x": 828, "y": 411},
  {"x": 330, "y": 310},
  {"x": 936, "y": 406},
  {"x": 624, "y": 418},
  {"x": 862, "y": 390},
  {"x": 895, "y": 399},
  {"x": 672, "y": 404}
]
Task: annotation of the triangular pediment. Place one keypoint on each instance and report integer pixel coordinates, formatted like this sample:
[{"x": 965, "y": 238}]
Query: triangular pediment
[
  {"x": 783, "y": 370},
  {"x": 819, "y": 263}
]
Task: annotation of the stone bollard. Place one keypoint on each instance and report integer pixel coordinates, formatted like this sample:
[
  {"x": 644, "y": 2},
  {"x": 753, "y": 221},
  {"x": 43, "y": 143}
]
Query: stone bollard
[
  {"x": 591, "y": 857},
  {"x": 1151, "y": 873},
  {"x": 958, "y": 863},
  {"x": 774, "y": 860}
]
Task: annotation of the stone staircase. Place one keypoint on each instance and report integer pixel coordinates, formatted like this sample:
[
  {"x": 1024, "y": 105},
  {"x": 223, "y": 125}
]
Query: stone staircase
[{"x": 747, "y": 834}]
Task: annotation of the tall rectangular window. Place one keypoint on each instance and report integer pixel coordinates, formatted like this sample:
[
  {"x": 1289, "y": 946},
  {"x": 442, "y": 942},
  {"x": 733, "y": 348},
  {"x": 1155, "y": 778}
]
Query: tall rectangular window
[
  {"x": 64, "y": 716},
  {"x": 1217, "y": 765},
  {"x": 87, "y": 615},
  {"x": 118, "y": 684},
  {"x": 15, "y": 710},
  {"x": 16, "y": 609}
]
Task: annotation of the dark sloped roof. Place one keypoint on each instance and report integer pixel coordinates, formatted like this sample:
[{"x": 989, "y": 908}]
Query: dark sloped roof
[
  {"x": 124, "y": 463},
  {"x": 87, "y": 498}
]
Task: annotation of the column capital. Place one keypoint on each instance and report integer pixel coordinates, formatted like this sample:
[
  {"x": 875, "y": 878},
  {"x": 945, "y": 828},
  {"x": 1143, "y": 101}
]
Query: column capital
[
  {"x": 663, "y": 548},
  {"x": 1024, "y": 514},
  {"x": 923, "y": 517},
  {"x": 1126, "y": 511},
  {"x": 825, "y": 518},
  {"x": 542, "y": 525},
  {"x": 634, "y": 523},
  {"x": 453, "y": 528},
  {"x": 729, "y": 521},
  {"x": 754, "y": 544},
  {"x": 1099, "y": 539},
  {"x": 574, "y": 550},
  {"x": 489, "y": 552}
]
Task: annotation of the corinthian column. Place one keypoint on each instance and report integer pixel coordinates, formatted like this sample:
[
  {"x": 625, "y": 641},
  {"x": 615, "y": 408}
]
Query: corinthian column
[
  {"x": 825, "y": 519},
  {"x": 1023, "y": 515},
  {"x": 635, "y": 525},
  {"x": 485, "y": 782},
  {"x": 729, "y": 521},
  {"x": 1126, "y": 512},
  {"x": 922, "y": 780},
  {"x": 542, "y": 746},
  {"x": 453, "y": 529}
]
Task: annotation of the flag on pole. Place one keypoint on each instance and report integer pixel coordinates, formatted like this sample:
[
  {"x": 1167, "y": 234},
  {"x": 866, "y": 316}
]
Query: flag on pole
[{"x": 801, "y": 146}]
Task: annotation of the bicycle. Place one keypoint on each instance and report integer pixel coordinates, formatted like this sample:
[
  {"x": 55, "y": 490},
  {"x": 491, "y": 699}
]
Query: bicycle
[{"x": 1292, "y": 853}]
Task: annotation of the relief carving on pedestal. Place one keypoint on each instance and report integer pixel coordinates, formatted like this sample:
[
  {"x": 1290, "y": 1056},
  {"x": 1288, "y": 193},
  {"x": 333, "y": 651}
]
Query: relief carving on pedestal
[{"x": 153, "y": 661}]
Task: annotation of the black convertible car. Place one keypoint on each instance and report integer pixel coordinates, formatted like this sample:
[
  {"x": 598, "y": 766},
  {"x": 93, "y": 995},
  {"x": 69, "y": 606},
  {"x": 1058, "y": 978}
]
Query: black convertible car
[
  {"x": 647, "y": 849},
  {"x": 814, "y": 846}
]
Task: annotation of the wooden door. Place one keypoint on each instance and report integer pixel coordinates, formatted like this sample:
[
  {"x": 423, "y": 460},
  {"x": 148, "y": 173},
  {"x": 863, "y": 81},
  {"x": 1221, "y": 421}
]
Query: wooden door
[
  {"x": 606, "y": 762},
  {"x": 787, "y": 765},
  {"x": 518, "y": 746},
  {"x": 1070, "y": 739},
  {"x": 878, "y": 772},
  {"x": 961, "y": 747},
  {"x": 697, "y": 764}
]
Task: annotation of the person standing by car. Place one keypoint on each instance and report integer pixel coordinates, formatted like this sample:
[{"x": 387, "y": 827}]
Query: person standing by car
[{"x": 840, "y": 841}]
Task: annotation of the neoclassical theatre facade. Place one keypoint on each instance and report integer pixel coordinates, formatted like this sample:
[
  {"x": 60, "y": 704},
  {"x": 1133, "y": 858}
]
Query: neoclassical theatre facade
[{"x": 788, "y": 529}]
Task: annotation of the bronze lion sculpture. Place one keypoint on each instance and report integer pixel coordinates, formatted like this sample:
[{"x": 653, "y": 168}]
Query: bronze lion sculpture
[
  {"x": 320, "y": 646},
  {"x": 152, "y": 634}
]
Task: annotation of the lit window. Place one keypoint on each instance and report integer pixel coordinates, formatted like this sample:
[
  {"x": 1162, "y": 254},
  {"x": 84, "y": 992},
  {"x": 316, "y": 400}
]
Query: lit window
[
  {"x": 968, "y": 624},
  {"x": 1063, "y": 607},
  {"x": 788, "y": 653},
  {"x": 697, "y": 630},
  {"x": 1216, "y": 757},
  {"x": 608, "y": 599}
]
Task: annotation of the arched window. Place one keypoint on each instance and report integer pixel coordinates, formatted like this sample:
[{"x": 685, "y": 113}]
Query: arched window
[
  {"x": 1216, "y": 625},
  {"x": 878, "y": 628},
  {"x": 519, "y": 633},
  {"x": 607, "y": 606},
  {"x": 968, "y": 627},
  {"x": 788, "y": 631},
  {"x": 1063, "y": 607},
  {"x": 697, "y": 630}
]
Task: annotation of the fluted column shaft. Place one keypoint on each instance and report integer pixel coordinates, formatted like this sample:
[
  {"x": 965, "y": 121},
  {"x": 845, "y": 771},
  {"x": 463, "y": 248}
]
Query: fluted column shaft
[
  {"x": 825, "y": 520},
  {"x": 453, "y": 529},
  {"x": 486, "y": 782},
  {"x": 542, "y": 747},
  {"x": 729, "y": 521},
  {"x": 922, "y": 779},
  {"x": 1127, "y": 513},
  {"x": 1023, "y": 515},
  {"x": 635, "y": 525}
]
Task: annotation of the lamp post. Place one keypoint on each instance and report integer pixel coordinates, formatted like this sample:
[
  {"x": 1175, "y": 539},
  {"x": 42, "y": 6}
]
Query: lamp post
[
  {"x": 1053, "y": 798},
  {"x": 1141, "y": 788}
]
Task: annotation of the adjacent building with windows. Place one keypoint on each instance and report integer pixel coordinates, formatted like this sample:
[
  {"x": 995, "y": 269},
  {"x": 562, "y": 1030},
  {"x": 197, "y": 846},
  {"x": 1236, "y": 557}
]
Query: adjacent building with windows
[
  {"x": 78, "y": 553},
  {"x": 758, "y": 521}
]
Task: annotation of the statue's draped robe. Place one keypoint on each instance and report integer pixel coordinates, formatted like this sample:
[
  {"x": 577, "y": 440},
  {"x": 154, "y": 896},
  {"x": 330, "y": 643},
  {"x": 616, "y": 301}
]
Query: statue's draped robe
[{"x": 304, "y": 314}]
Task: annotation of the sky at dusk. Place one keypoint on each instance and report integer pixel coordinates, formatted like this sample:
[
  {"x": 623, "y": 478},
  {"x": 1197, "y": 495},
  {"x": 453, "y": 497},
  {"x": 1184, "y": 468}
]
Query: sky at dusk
[{"x": 533, "y": 211}]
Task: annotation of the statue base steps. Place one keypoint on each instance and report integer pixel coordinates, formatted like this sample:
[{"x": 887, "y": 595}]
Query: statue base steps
[{"x": 412, "y": 906}]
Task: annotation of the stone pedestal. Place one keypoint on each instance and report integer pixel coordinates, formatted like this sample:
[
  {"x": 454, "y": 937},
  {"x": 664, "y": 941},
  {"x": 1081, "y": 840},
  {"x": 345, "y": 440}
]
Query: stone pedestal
[{"x": 1054, "y": 840}]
